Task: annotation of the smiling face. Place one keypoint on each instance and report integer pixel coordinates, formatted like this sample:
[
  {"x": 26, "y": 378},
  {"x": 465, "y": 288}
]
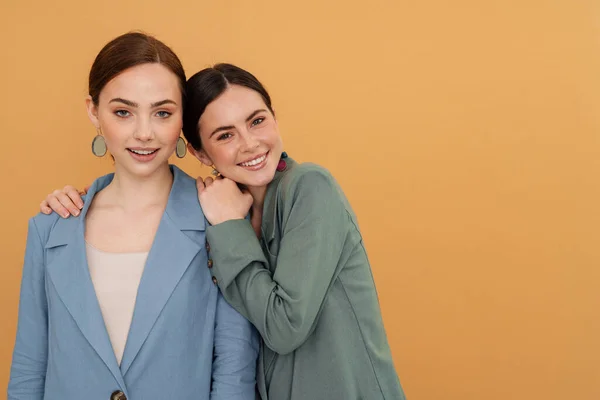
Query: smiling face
[
  {"x": 240, "y": 137},
  {"x": 139, "y": 113}
]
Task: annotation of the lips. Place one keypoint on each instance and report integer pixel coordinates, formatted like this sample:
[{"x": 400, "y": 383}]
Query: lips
[
  {"x": 143, "y": 152},
  {"x": 254, "y": 161},
  {"x": 143, "y": 155}
]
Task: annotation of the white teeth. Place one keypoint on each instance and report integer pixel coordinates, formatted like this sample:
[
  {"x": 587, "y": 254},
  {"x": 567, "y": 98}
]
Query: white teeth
[
  {"x": 254, "y": 162},
  {"x": 142, "y": 152}
]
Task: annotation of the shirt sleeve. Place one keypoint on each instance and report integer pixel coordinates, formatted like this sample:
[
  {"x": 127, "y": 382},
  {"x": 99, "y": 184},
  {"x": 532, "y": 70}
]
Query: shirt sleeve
[
  {"x": 28, "y": 369},
  {"x": 284, "y": 306},
  {"x": 236, "y": 346}
]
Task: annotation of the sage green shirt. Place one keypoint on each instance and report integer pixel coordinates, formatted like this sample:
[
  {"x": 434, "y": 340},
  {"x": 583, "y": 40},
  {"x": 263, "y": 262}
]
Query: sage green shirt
[{"x": 307, "y": 286}]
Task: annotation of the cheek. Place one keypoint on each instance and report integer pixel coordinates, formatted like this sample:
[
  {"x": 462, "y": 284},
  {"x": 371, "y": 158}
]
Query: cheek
[
  {"x": 114, "y": 129},
  {"x": 171, "y": 132},
  {"x": 222, "y": 155},
  {"x": 114, "y": 132},
  {"x": 272, "y": 137}
]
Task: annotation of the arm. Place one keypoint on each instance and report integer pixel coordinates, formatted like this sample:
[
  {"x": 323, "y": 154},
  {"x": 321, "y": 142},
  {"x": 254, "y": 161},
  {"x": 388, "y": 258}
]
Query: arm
[
  {"x": 30, "y": 356},
  {"x": 235, "y": 354},
  {"x": 285, "y": 306}
]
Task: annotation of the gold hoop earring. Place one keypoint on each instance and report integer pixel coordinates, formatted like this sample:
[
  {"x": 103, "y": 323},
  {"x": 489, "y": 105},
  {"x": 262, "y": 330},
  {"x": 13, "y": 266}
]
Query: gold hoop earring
[{"x": 99, "y": 144}]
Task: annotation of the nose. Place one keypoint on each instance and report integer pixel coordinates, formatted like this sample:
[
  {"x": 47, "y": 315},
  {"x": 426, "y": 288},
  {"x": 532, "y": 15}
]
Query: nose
[
  {"x": 250, "y": 141},
  {"x": 143, "y": 131}
]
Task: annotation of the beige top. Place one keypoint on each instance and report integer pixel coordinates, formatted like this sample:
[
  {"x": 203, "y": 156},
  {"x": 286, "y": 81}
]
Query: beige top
[{"x": 116, "y": 278}]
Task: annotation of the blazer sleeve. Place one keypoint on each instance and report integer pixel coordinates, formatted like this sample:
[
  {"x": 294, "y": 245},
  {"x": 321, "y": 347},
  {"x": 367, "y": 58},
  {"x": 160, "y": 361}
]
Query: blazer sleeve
[
  {"x": 236, "y": 345},
  {"x": 284, "y": 306},
  {"x": 28, "y": 369}
]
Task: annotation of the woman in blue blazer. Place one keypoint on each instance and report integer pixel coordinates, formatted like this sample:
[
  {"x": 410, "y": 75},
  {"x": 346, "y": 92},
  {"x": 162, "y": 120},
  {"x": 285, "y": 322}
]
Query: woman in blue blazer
[{"x": 182, "y": 340}]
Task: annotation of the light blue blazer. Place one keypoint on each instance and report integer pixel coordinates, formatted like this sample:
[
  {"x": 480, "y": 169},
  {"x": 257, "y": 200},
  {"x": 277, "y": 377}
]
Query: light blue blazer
[{"x": 185, "y": 341}]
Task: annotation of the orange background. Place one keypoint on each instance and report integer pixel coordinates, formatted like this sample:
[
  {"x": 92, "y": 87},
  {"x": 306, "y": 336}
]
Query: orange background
[{"x": 465, "y": 133}]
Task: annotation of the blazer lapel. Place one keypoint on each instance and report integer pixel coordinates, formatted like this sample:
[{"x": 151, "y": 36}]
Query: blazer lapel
[
  {"x": 171, "y": 254},
  {"x": 69, "y": 274}
]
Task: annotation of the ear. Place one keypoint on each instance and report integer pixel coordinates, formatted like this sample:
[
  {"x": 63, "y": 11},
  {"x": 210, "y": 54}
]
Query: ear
[
  {"x": 92, "y": 111},
  {"x": 200, "y": 155}
]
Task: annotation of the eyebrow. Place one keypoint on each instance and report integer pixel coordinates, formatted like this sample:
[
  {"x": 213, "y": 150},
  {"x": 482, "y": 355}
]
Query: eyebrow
[
  {"x": 225, "y": 128},
  {"x": 254, "y": 114},
  {"x": 134, "y": 104}
]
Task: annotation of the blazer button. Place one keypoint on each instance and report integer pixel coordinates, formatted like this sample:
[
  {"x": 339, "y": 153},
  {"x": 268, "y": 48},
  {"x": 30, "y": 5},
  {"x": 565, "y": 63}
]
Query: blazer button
[
  {"x": 210, "y": 263},
  {"x": 214, "y": 279},
  {"x": 118, "y": 395}
]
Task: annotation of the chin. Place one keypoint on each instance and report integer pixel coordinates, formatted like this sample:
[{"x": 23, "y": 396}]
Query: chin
[
  {"x": 257, "y": 180},
  {"x": 145, "y": 170},
  {"x": 261, "y": 181}
]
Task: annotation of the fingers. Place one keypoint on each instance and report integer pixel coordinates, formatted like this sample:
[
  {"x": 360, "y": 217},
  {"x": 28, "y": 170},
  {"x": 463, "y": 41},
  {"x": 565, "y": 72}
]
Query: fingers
[
  {"x": 247, "y": 196},
  {"x": 55, "y": 201},
  {"x": 45, "y": 208},
  {"x": 64, "y": 202},
  {"x": 67, "y": 201},
  {"x": 74, "y": 195},
  {"x": 200, "y": 185}
]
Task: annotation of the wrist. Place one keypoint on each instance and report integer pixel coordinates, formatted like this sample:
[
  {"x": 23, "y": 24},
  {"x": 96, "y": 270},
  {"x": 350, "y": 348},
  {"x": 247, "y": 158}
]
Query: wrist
[{"x": 226, "y": 218}]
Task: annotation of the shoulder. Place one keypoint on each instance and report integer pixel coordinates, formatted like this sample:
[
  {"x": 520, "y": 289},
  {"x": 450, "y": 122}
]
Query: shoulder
[
  {"x": 43, "y": 225},
  {"x": 183, "y": 184},
  {"x": 53, "y": 230},
  {"x": 309, "y": 196},
  {"x": 310, "y": 185},
  {"x": 183, "y": 205},
  {"x": 307, "y": 175},
  {"x": 182, "y": 177}
]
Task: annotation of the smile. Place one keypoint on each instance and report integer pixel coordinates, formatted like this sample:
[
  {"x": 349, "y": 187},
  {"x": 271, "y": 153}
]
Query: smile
[
  {"x": 143, "y": 152},
  {"x": 254, "y": 162}
]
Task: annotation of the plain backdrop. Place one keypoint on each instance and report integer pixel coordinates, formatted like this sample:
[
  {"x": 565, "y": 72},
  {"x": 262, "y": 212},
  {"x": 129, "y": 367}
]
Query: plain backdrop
[{"x": 465, "y": 134}]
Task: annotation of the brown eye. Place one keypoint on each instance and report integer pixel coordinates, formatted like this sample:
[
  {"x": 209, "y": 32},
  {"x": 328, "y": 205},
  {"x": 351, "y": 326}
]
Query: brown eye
[{"x": 224, "y": 136}]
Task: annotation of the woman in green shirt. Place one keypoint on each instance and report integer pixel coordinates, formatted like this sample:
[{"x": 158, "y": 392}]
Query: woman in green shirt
[{"x": 297, "y": 268}]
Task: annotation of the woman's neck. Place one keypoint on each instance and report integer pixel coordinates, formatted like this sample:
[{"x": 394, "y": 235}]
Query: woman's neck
[
  {"x": 256, "y": 211},
  {"x": 258, "y": 195},
  {"x": 132, "y": 192}
]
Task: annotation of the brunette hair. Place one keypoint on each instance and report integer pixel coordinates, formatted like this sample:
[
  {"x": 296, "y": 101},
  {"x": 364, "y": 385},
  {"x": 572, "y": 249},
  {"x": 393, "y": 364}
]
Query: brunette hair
[
  {"x": 127, "y": 51},
  {"x": 205, "y": 86}
]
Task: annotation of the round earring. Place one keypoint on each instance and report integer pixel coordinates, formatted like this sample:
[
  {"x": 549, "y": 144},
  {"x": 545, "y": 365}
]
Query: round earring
[
  {"x": 99, "y": 144},
  {"x": 214, "y": 171},
  {"x": 181, "y": 149}
]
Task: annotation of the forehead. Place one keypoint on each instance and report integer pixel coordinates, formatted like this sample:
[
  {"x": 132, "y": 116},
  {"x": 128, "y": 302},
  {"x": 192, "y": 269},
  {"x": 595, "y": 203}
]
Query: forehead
[
  {"x": 235, "y": 104},
  {"x": 146, "y": 83}
]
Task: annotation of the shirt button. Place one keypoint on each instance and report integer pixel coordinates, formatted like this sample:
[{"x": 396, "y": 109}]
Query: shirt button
[
  {"x": 118, "y": 395},
  {"x": 210, "y": 263},
  {"x": 207, "y": 246},
  {"x": 214, "y": 279}
]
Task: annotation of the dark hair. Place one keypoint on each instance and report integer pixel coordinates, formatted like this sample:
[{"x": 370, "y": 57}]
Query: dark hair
[
  {"x": 205, "y": 86},
  {"x": 127, "y": 51}
]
